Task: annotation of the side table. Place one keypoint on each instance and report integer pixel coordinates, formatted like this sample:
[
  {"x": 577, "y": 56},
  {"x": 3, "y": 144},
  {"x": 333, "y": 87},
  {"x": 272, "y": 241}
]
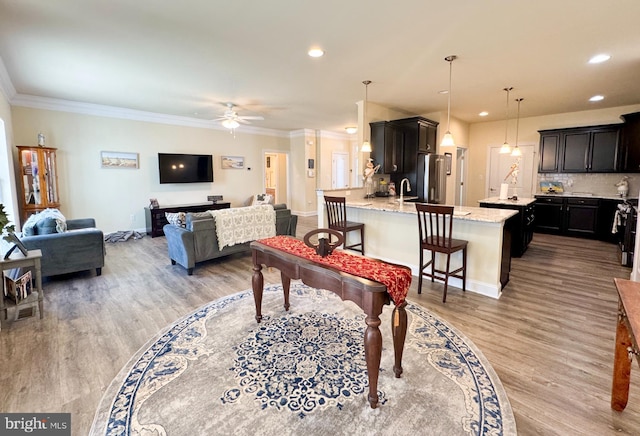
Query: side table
[{"x": 18, "y": 260}]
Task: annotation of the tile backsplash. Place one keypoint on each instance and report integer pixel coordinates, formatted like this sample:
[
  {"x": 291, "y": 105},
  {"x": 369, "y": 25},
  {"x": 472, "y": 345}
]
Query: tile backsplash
[{"x": 602, "y": 184}]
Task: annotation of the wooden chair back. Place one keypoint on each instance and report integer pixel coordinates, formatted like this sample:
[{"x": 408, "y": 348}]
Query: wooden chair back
[
  {"x": 435, "y": 223},
  {"x": 336, "y": 211}
]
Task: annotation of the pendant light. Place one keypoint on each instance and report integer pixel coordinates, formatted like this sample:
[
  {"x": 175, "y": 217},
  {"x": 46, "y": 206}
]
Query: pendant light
[
  {"x": 366, "y": 146},
  {"x": 516, "y": 150},
  {"x": 447, "y": 139},
  {"x": 506, "y": 148}
]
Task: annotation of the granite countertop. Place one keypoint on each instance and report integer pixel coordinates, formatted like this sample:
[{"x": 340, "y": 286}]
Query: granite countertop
[
  {"x": 388, "y": 204},
  {"x": 518, "y": 202},
  {"x": 580, "y": 194}
]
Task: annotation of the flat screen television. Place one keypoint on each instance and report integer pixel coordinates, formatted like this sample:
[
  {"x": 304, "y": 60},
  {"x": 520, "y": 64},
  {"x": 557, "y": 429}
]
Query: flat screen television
[{"x": 185, "y": 168}]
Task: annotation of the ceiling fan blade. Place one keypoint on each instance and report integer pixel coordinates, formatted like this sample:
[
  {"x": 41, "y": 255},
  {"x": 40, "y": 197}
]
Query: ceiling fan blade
[
  {"x": 251, "y": 118},
  {"x": 242, "y": 121}
]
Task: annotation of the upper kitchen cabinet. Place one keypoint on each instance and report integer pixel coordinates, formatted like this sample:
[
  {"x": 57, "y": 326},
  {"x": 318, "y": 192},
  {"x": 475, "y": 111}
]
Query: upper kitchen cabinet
[
  {"x": 387, "y": 147},
  {"x": 549, "y": 151},
  {"x": 630, "y": 139},
  {"x": 396, "y": 143},
  {"x": 580, "y": 150}
]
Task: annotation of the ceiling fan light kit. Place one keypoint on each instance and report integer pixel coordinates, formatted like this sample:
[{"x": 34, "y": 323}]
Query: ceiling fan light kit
[{"x": 231, "y": 120}]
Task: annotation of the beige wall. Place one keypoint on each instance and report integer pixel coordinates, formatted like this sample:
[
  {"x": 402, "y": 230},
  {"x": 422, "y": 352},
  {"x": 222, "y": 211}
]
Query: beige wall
[
  {"x": 484, "y": 135},
  {"x": 112, "y": 196}
]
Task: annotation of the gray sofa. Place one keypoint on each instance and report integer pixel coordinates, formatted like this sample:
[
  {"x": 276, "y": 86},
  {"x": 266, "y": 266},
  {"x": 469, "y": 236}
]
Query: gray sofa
[
  {"x": 197, "y": 241},
  {"x": 80, "y": 248}
]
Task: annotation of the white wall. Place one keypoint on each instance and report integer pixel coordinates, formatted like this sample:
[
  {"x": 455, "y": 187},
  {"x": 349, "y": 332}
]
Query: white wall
[{"x": 8, "y": 196}]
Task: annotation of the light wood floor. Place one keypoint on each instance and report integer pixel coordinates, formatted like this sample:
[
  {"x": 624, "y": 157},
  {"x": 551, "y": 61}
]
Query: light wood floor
[{"x": 550, "y": 337}]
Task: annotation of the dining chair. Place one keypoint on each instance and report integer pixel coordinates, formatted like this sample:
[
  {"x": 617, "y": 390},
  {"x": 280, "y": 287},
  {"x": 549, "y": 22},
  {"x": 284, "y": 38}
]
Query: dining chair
[
  {"x": 337, "y": 219},
  {"x": 435, "y": 223}
]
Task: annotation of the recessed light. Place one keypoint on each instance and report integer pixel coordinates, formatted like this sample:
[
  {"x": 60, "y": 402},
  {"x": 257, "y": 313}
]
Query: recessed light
[
  {"x": 483, "y": 113},
  {"x": 316, "y": 52},
  {"x": 444, "y": 91},
  {"x": 599, "y": 58},
  {"x": 597, "y": 98},
  {"x": 351, "y": 130}
]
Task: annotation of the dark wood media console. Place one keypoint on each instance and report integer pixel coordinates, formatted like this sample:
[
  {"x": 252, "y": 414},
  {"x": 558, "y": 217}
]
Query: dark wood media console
[{"x": 156, "y": 219}]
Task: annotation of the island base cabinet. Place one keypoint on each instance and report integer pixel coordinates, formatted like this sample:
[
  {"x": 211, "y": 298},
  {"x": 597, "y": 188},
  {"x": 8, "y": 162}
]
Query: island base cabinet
[{"x": 520, "y": 226}]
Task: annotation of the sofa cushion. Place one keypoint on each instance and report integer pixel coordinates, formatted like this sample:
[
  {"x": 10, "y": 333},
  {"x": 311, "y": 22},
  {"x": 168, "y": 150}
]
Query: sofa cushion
[
  {"x": 177, "y": 219},
  {"x": 262, "y": 199},
  {"x": 46, "y": 226}
]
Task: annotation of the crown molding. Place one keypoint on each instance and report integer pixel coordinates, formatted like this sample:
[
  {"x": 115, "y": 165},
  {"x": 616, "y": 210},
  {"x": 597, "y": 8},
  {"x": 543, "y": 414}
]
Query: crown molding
[
  {"x": 6, "y": 86},
  {"x": 54, "y": 104}
]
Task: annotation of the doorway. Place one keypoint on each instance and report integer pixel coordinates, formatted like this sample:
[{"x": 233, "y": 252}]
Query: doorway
[
  {"x": 339, "y": 170},
  {"x": 276, "y": 176},
  {"x": 499, "y": 166}
]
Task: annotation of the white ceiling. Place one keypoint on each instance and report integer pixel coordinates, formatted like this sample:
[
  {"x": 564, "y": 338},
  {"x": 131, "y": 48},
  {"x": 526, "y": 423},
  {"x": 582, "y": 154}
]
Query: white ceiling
[{"x": 191, "y": 56}]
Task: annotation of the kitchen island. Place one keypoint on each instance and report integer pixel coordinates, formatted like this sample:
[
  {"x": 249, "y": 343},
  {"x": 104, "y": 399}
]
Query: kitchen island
[
  {"x": 391, "y": 234},
  {"x": 522, "y": 227}
]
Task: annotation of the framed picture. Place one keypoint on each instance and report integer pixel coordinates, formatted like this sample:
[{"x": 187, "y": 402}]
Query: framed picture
[
  {"x": 119, "y": 159},
  {"x": 17, "y": 243},
  {"x": 447, "y": 163},
  {"x": 232, "y": 162}
]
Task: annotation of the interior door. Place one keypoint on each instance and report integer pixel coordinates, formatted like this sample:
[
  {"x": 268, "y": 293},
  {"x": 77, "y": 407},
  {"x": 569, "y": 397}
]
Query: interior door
[
  {"x": 499, "y": 166},
  {"x": 339, "y": 170}
]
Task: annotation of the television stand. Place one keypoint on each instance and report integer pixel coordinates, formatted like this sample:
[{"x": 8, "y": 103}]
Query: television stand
[{"x": 156, "y": 219}]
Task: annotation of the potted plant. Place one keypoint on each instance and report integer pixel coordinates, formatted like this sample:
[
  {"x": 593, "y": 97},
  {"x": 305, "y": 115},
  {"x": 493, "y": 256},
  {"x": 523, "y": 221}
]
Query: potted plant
[{"x": 6, "y": 230}]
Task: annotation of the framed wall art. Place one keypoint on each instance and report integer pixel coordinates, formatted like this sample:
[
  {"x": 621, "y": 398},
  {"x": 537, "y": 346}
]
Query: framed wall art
[
  {"x": 232, "y": 162},
  {"x": 447, "y": 163},
  {"x": 119, "y": 159}
]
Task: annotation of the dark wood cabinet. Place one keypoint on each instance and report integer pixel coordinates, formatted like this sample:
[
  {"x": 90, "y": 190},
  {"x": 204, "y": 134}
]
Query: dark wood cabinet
[
  {"x": 571, "y": 216},
  {"x": 549, "y": 214},
  {"x": 396, "y": 144},
  {"x": 630, "y": 139},
  {"x": 580, "y": 150},
  {"x": 581, "y": 217},
  {"x": 549, "y": 152},
  {"x": 156, "y": 219},
  {"x": 522, "y": 225},
  {"x": 387, "y": 147}
]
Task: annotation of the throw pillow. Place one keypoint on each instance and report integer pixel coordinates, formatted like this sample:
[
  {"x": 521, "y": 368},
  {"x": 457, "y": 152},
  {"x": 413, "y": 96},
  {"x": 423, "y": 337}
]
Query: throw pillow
[
  {"x": 177, "y": 219},
  {"x": 46, "y": 226},
  {"x": 262, "y": 199}
]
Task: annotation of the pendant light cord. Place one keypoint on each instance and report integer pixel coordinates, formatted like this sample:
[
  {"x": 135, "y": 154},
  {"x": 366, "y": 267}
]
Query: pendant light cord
[
  {"x": 449, "y": 95},
  {"x": 506, "y": 128},
  {"x": 364, "y": 118},
  {"x": 518, "y": 120}
]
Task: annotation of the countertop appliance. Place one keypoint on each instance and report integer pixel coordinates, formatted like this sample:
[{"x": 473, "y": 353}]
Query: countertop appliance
[{"x": 431, "y": 178}]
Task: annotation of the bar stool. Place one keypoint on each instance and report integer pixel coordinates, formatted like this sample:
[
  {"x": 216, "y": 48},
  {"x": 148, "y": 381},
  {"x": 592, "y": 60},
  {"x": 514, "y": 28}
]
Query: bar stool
[
  {"x": 435, "y": 223},
  {"x": 337, "y": 217}
]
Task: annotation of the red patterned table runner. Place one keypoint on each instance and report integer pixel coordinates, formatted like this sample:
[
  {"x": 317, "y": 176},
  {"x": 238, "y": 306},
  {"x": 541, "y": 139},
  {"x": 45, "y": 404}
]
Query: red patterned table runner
[{"x": 396, "y": 278}]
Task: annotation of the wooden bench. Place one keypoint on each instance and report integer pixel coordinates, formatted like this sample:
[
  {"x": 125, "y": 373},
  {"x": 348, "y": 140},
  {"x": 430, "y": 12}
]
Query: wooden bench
[
  {"x": 369, "y": 295},
  {"x": 627, "y": 334}
]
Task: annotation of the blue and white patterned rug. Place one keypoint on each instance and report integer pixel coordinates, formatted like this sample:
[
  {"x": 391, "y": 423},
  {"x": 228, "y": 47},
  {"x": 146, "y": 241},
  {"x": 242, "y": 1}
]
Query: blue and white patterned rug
[{"x": 302, "y": 372}]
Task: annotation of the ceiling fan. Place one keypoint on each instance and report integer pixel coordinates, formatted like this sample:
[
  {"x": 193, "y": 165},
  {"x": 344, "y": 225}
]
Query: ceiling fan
[{"x": 231, "y": 120}]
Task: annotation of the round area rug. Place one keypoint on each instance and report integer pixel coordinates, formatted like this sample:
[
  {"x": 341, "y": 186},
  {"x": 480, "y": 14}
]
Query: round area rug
[{"x": 302, "y": 372}]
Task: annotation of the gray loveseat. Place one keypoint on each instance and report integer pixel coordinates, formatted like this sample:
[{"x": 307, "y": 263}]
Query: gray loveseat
[
  {"x": 197, "y": 241},
  {"x": 80, "y": 248}
]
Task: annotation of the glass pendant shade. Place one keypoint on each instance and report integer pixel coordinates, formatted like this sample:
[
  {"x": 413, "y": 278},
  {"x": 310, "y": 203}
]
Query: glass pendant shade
[
  {"x": 447, "y": 140},
  {"x": 366, "y": 147},
  {"x": 505, "y": 149}
]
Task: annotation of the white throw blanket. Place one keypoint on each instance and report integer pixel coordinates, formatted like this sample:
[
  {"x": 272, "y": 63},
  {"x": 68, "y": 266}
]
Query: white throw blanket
[
  {"x": 61, "y": 222},
  {"x": 244, "y": 224}
]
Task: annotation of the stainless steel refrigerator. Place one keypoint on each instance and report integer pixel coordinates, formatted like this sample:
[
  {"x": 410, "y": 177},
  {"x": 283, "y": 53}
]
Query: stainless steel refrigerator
[{"x": 431, "y": 178}]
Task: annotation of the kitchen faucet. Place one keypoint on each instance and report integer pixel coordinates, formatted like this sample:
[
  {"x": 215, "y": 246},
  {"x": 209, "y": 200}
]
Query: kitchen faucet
[{"x": 402, "y": 190}]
